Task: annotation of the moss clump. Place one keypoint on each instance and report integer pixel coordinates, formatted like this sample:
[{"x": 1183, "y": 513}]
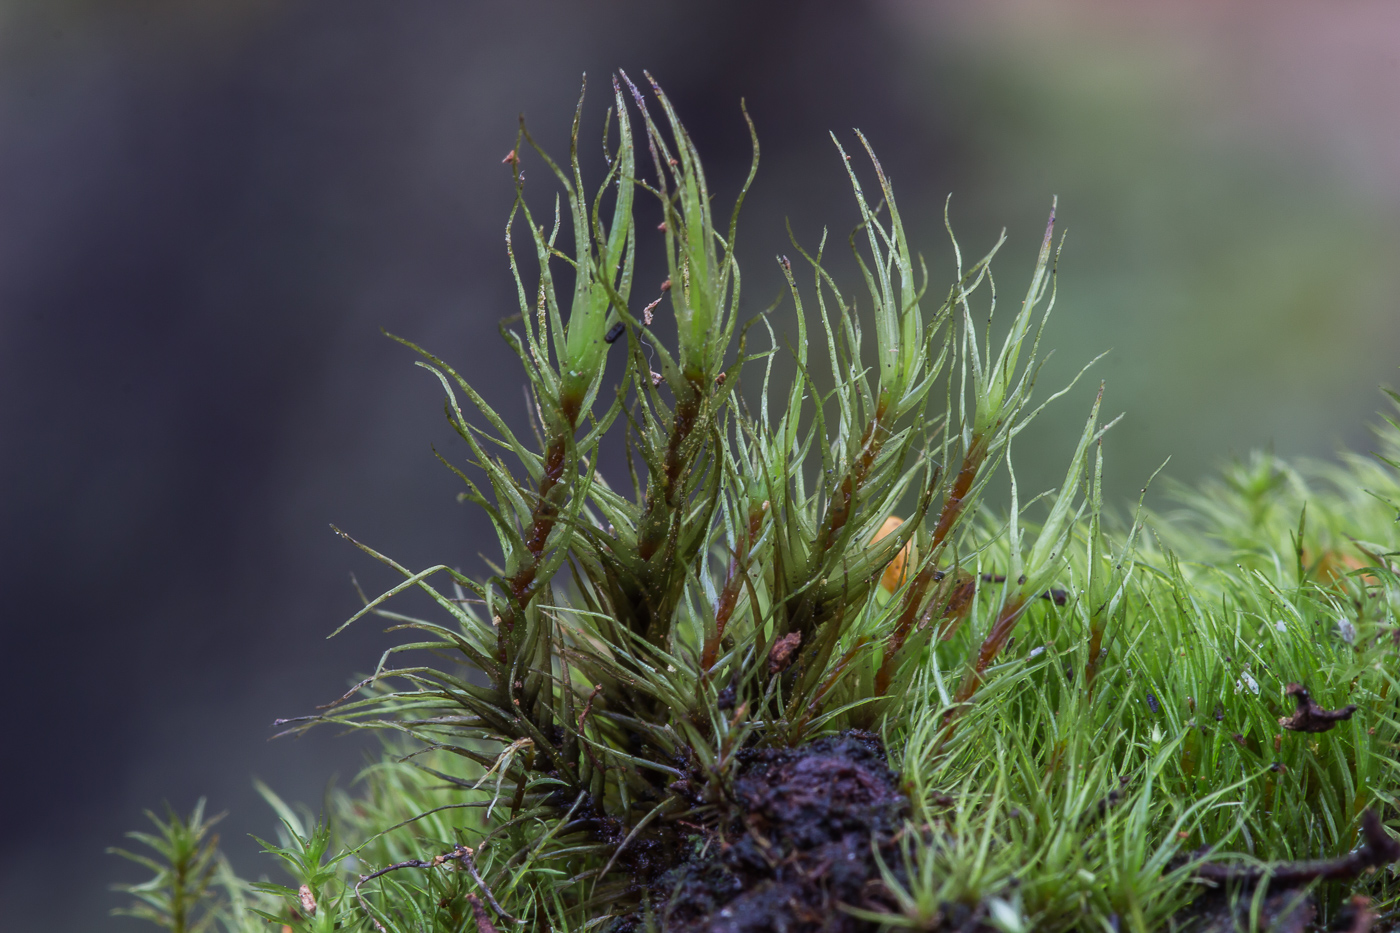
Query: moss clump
[{"x": 643, "y": 717}]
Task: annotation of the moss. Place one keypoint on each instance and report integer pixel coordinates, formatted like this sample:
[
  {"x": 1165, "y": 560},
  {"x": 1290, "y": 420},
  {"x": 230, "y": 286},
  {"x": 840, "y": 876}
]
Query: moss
[{"x": 644, "y": 717}]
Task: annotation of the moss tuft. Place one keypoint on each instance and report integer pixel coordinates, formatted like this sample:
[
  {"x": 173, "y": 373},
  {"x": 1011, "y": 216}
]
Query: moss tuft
[{"x": 669, "y": 705}]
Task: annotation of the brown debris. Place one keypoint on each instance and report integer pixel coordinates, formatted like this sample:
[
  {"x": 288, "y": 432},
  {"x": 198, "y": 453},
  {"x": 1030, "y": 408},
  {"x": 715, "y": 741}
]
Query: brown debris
[
  {"x": 1289, "y": 907},
  {"x": 1309, "y": 717},
  {"x": 780, "y": 655},
  {"x": 647, "y": 312},
  {"x": 1377, "y": 849}
]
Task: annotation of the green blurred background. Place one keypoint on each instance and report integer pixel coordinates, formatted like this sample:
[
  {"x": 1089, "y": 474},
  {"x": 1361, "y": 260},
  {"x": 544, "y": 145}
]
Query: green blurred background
[
  {"x": 1227, "y": 176},
  {"x": 208, "y": 209}
]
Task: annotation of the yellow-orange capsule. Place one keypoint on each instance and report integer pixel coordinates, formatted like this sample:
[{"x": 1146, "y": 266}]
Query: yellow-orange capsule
[{"x": 893, "y": 577}]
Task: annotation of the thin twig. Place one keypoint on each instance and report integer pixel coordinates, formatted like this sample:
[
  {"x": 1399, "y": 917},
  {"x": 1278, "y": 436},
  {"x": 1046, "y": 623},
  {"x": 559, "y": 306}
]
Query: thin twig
[
  {"x": 1377, "y": 849},
  {"x": 470, "y": 862},
  {"x": 483, "y": 922},
  {"x": 461, "y": 854},
  {"x": 1058, "y": 597}
]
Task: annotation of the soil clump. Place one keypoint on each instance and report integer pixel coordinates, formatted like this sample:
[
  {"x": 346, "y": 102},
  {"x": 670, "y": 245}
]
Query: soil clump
[{"x": 800, "y": 842}]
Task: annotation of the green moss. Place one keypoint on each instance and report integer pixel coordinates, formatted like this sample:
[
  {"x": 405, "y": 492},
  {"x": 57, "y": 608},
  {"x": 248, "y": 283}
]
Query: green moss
[{"x": 571, "y": 727}]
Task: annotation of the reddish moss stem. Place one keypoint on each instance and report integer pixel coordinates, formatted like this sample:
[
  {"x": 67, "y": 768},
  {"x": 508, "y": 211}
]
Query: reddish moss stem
[
  {"x": 545, "y": 513},
  {"x": 871, "y": 442},
  {"x": 808, "y": 617},
  {"x": 957, "y": 496},
  {"x": 991, "y": 646},
  {"x": 814, "y": 705},
  {"x": 686, "y": 414},
  {"x": 912, "y": 598},
  {"x": 959, "y": 602},
  {"x": 1091, "y": 668},
  {"x": 729, "y": 596}
]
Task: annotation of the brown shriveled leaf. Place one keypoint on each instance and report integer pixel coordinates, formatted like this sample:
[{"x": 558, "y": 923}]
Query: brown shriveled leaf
[
  {"x": 1309, "y": 717},
  {"x": 780, "y": 656}
]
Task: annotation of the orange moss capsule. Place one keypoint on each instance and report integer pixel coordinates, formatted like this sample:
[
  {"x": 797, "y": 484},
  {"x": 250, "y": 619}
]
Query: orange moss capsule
[
  {"x": 1334, "y": 566},
  {"x": 893, "y": 577}
]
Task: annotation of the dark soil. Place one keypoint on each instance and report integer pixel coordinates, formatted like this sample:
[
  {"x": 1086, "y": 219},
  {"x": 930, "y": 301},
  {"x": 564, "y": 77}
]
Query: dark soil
[
  {"x": 798, "y": 844},
  {"x": 1285, "y": 911},
  {"x": 1289, "y": 906}
]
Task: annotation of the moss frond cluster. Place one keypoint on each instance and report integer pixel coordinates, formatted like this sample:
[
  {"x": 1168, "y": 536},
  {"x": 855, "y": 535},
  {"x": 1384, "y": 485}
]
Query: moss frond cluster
[{"x": 1081, "y": 716}]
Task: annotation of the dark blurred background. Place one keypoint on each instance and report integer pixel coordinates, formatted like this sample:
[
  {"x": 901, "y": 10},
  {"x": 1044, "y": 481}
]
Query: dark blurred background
[{"x": 209, "y": 209}]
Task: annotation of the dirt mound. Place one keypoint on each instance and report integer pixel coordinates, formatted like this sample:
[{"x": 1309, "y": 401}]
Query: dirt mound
[{"x": 798, "y": 844}]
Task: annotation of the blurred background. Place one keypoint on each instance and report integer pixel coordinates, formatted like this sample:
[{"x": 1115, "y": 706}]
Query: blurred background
[{"x": 209, "y": 209}]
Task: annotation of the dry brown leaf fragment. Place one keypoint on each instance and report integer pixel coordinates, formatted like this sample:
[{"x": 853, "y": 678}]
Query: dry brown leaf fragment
[{"x": 780, "y": 655}]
